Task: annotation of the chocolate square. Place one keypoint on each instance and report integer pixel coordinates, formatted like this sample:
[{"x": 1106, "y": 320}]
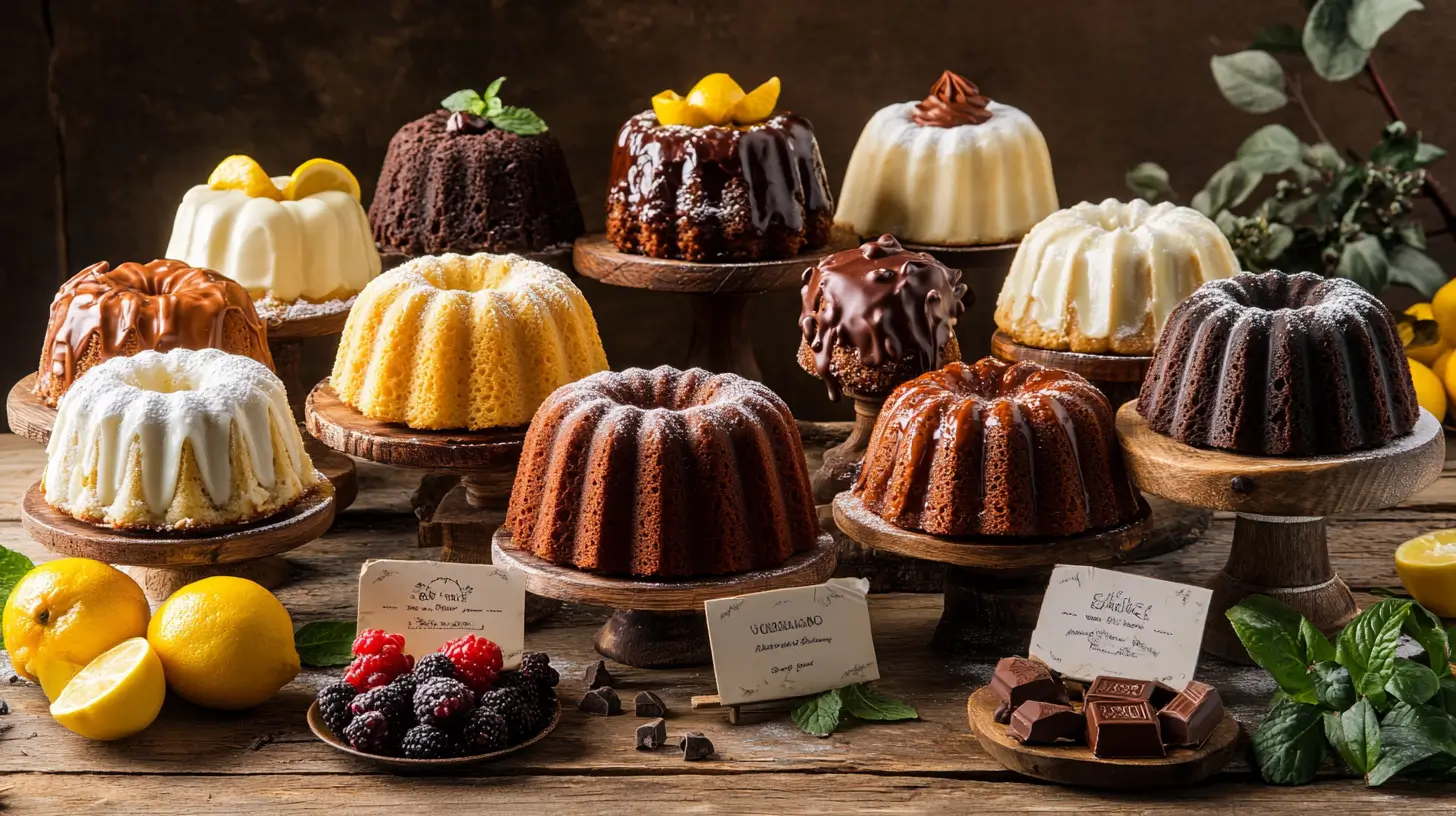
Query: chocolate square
[
  {"x": 1122, "y": 729},
  {"x": 601, "y": 701},
  {"x": 648, "y": 704},
  {"x": 1105, "y": 687},
  {"x": 695, "y": 746},
  {"x": 652, "y": 735},
  {"x": 1036, "y": 722},
  {"x": 1192, "y": 715},
  {"x": 1017, "y": 680}
]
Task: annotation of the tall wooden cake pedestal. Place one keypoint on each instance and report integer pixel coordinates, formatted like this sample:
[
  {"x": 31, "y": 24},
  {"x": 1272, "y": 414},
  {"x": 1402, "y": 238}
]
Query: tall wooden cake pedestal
[
  {"x": 1279, "y": 546},
  {"x": 658, "y": 624},
  {"x": 983, "y": 268},
  {"x": 842, "y": 462},
  {"x": 993, "y": 586},
  {"x": 1118, "y": 376}
]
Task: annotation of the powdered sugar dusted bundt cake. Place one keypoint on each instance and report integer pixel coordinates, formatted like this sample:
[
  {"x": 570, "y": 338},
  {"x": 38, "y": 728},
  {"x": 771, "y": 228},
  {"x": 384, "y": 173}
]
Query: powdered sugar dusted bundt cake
[
  {"x": 663, "y": 473},
  {"x": 1285, "y": 365}
]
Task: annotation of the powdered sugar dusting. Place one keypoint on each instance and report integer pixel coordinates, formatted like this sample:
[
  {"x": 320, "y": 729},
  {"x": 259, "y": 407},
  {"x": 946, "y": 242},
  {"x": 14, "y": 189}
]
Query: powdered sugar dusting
[{"x": 277, "y": 311}]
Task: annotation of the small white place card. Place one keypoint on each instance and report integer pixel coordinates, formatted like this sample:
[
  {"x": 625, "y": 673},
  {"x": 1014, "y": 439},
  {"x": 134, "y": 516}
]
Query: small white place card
[
  {"x": 430, "y": 602},
  {"x": 1102, "y": 622},
  {"x": 791, "y": 642}
]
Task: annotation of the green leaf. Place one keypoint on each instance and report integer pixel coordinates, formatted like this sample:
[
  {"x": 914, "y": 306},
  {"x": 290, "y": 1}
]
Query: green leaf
[
  {"x": 1280, "y": 238},
  {"x": 1271, "y": 149},
  {"x": 325, "y": 643},
  {"x": 493, "y": 89},
  {"x": 1401, "y": 747},
  {"x": 1316, "y": 646},
  {"x": 1290, "y": 743},
  {"x": 1411, "y": 683},
  {"x": 1412, "y": 234},
  {"x": 819, "y": 715},
  {"x": 1446, "y": 697},
  {"x": 1280, "y": 38},
  {"x": 13, "y": 567},
  {"x": 1369, "y": 19},
  {"x": 1367, "y": 645},
  {"x": 1149, "y": 181},
  {"x": 1251, "y": 81},
  {"x": 1397, "y": 147},
  {"x": 520, "y": 121},
  {"x": 1291, "y": 210},
  {"x": 1324, "y": 156},
  {"x": 1332, "y": 685},
  {"x": 1363, "y": 261},
  {"x": 1269, "y": 631},
  {"x": 868, "y": 703},
  {"x": 1416, "y": 269},
  {"x": 466, "y": 101},
  {"x": 1356, "y": 736},
  {"x": 1424, "y": 627},
  {"x": 1428, "y": 153},
  {"x": 1327, "y": 42},
  {"x": 1227, "y": 188}
]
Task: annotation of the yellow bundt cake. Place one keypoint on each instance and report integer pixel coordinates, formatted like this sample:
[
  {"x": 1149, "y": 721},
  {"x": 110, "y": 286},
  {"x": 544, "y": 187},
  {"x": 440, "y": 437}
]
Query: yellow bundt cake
[{"x": 465, "y": 341}]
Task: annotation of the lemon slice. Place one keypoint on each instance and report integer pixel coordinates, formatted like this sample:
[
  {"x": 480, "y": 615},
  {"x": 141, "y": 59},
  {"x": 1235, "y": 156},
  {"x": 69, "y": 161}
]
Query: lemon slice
[
  {"x": 759, "y": 104},
  {"x": 1427, "y": 568},
  {"x": 118, "y": 694},
  {"x": 672, "y": 109},
  {"x": 320, "y": 175},
  {"x": 243, "y": 173},
  {"x": 716, "y": 95}
]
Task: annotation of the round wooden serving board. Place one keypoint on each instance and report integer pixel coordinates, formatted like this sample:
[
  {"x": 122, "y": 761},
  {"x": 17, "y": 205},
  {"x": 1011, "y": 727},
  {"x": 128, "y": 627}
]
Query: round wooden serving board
[
  {"x": 1068, "y": 764},
  {"x": 305, "y": 320},
  {"x": 598, "y": 258},
  {"x": 321, "y": 730},
  {"x": 29, "y": 417}
]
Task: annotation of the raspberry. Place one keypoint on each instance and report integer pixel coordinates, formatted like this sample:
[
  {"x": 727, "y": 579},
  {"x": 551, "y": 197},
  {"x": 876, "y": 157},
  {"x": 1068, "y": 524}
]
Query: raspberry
[
  {"x": 389, "y": 701},
  {"x": 333, "y": 703},
  {"x": 373, "y": 641},
  {"x": 477, "y": 661},
  {"x": 536, "y": 667},
  {"x": 484, "y": 731},
  {"x": 426, "y": 742},
  {"x": 511, "y": 704},
  {"x": 369, "y": 732},
  {"x": 434, "y": 664},
  {"x": 441, "y": 700},
  {"x": 373, "y": 670}
]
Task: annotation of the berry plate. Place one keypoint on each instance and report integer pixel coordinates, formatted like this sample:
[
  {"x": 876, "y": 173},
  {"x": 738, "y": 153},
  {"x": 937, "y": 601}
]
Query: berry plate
[{"x": 320, "y": 730}]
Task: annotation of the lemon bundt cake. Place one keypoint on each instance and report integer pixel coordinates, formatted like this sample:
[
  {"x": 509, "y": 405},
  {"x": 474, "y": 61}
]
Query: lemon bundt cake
[
  {"x": 104, "y": 312},
  {"x": 464, "y": 341},
  {"x": 1103, "y": 278},
  {"x": 293, "y": 238},
  {"x": 176, "y": 441},
  {"x": 953, "y": 170}
]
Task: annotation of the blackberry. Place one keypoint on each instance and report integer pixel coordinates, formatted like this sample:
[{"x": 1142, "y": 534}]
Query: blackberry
[
  {"x": 536, "y": 667},
  {"x": 484, "y": 731},
  {"x": 434, "y": 664},
  {"x": 369, "y": 732},
  {"x": 442, "y": 700},
  {"x": 426, "y": 742},
  {"x": 511, "y": 705},
  {"x": 333, "y": 703},
  {"x": 406, "y": 684},
  {"x": 390, "y": 701}
]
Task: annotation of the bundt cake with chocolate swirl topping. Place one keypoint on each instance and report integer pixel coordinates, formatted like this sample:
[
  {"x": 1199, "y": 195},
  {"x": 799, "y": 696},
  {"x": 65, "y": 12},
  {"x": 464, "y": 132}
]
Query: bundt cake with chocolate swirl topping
[
  {"x": 663, "y": 473},
  {"x": 1280, "y": 365},
  {"x": 997, "y": 449}
]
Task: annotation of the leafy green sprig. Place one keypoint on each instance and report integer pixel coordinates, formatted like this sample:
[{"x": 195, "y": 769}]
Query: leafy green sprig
[
  {"x": 822, "y": 714},
  {"x": 488, "y": 106}
]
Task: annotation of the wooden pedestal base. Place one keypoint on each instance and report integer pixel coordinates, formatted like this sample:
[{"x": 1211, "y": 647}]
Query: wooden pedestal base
[
  {"x": 286, "y": 334},
  {"x": 842, "y": 462},
  {"x": 658, "y": 624},
  {"x": 28, "y": 416},
  {"x": 983, "y": 269},
  {"x": 1116, "y": 375},
  {"x": 1279, "y": 547}
]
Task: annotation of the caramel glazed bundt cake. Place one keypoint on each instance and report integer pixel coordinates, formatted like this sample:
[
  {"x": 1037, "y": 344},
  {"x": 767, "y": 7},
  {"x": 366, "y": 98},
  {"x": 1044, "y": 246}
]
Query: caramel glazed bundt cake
[
  {"x": 877, "y": 315},
  {"x": 997, "y": 449},
  {"x": 663, "y": 473},
  {"x": 1282, "y": 365}
]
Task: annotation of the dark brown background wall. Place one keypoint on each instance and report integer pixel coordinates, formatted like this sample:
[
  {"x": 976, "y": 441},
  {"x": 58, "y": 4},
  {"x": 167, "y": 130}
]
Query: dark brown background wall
[{"x": 113, "y": 109}]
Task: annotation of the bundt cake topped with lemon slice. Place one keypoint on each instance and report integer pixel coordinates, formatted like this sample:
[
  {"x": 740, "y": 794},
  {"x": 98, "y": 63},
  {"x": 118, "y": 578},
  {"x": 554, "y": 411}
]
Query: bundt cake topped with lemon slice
[
  {"x": 104, "y": 312},
  {"x": 464, "y": 341},
  {"x": 718, "y": 176}
]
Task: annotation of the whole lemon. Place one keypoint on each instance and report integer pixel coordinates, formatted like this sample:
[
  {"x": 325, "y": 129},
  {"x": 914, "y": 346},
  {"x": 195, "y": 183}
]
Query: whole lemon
[
  {"x": 224, "y": 643},
  {"x": 1430, "y": 391},
  {"x": 1439, "y": 367},
  {"x": 1426, "y": 354},
  {"x": 1443, "y": 311},
  {"x": 63, "y": 614}
]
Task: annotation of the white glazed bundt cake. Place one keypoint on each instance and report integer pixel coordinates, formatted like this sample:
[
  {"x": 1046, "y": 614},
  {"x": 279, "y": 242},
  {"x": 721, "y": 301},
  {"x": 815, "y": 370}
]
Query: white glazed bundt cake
[
  {"x": 1102, "y": 278},
  {"x": 953, "y": 170},
  {"x": 464, "y": 341},
  {"x": 176, "y": 441}
]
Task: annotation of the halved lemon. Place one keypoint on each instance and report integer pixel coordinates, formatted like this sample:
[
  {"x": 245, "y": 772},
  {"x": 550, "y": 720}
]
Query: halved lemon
[
  {"x": 1427, "y": 568},
  {"x": 317, "y": 176},
  {"x": 716, "y": 95},
  {"x": 118, "y": 694},
  {"x": 243, "y": 173},
  {"x": 759, "y": 104}
]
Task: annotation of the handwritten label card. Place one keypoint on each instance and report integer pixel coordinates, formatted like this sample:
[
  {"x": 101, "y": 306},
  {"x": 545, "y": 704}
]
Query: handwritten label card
[
  {"x": 1095, "y": 621},
  {"x": 430, "y": 602},
  {"x": 790, "y": 642}
]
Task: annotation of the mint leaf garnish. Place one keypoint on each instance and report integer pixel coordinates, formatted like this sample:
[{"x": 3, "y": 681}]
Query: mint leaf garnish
[
  {"x": 1290, "y": 743},
  {"x": 1270, "y": 631},
  {"x": 520, "y": 121},
  {"x": 867, "y": 703},
  {"x": 466, "y": 101},
  {"x": 1425, "y": 628},
  {"x": 493, "y": 89},
  {"x": 13, "y": 567},
  {"x": 819, "y": 715},
  {"x": 1356, "y": 736},
  {"x": 1367, "y": 646},
  {"x": 325, "y": 643},
  {"x": 1332, "y": 686},
  {"x": 1412, "y": 683}
]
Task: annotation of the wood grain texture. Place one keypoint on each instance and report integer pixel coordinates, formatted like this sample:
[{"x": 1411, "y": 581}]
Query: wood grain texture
[
  {"x": 28, "y": 416},
  {"x": 597, "y": 258},
  {"x": 338, "y": 468}
]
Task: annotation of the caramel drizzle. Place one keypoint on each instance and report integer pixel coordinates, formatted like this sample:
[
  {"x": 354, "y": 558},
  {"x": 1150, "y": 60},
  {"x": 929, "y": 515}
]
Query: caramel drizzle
[{"x": 953, "y": 101}]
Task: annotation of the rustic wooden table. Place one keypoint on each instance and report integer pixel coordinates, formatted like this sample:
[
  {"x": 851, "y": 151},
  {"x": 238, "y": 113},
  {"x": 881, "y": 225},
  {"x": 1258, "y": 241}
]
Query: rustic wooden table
[{"x": 265, "y": 760}]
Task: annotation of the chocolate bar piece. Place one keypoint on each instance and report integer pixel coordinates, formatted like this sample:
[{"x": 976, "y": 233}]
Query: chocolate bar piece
[
  {"x": 1002, "y": 714},
  {"x": 1121, "y": 729},
  {"x": 1192, "y": 715},
  {"x": 1017, "y": 680},
  {"x": 596, "y": 675},
  {"x": 652, "y": 735},
  {"x": 648, "y": 704},
  {"x": 695, "y": 746},
  {"x": 1036, "y": 722},
  {"x": 1120, "y": 688},
  {"x": 602, "y": 701}
]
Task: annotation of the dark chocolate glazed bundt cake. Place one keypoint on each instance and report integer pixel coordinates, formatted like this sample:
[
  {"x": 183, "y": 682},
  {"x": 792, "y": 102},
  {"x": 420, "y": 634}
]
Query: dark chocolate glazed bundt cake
[
  {"x": 663, "y": 473},
  {"x": 997, "y": 449},
  {"x": 1276, "y": 364}
]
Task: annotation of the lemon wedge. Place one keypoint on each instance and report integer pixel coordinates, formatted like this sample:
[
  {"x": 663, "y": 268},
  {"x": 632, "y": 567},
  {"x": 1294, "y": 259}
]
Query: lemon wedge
[
  {"x": 317, "y": 176},
  {"x": 1427, "y": 568},
  {"x": 243, "y": 173},
  {"x": 118, "y": 694},
  {"x": 716, "y": 95},
  {"x": 759, "y": 104}
]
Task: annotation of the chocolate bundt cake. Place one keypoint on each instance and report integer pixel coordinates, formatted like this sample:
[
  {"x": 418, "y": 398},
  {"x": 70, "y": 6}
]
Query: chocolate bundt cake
[
  {"x": 878, "y": 315},
  {"x": 997, "y": 449},
  {"x": 1280, "y": 365},
  {"x": 663, "y": 473}
]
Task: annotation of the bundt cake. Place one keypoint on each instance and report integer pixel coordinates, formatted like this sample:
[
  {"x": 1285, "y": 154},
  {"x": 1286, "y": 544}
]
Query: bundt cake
[
  {"x": 1102, "y": 278},
  {"x": 1280, "y": 365},
  {"x": 178, "y": 441},
  {"x": 717, "y": 176},
  {"x": 464, "y": 341},
  {"x": 104, "y": 312},
  {"x": 955, "y": 169},
  {"x": 997, "y": 449},
  {"x": 464, "y": 180},
  {"x": 293, "y": 238},
  {"x": 663, "y": 473},
  {"x": 876, "y": 316}
]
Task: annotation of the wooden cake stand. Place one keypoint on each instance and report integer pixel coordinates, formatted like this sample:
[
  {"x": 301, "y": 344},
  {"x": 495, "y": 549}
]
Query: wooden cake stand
[
  {"x": 658, "y": 624},
  {"x": 993, "y": 585},
  {"x": 29, "y": 417},
  {"x": 1279, "y": 546},
  {"x": 841, "y": 463},
  {"x": 163, "y": 563},
  {"x": 984, "y": 270},
  {"x": 1118, "y": 376},
  {"x": 720, "y": 294}
]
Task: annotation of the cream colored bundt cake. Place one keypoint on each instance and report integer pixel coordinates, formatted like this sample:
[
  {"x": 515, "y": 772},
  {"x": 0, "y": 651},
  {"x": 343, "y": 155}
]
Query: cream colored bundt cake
[
  {"x": 176, "y": 441},
  {"x": 1103, "y": 278},
  {"x": 464, "y": 341},
  {"x": 954, "y": 169}
]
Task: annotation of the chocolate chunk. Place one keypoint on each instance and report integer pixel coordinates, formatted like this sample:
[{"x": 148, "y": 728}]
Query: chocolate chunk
[
  {"x": 1002, "y": 714},
  {"x": 4, "y": 707},
  {"x": 1018, "y": 680},
  {"x": 1242, "y": 484},
  {"x": 650, "y": 705},
  {"x": 1120, "y": 729},
  {"x": 597, "y": 676},
  {"x": 1192, "y": 715},
  {"x": 695, "y": 746},
  {"x": 1042, "y": 723},
  {"x": 652, "y": 735},
  {"x": 1162, "y": 694},
  {"x": 603, "y": 701},
  {"x": 1121, "y": 689}
]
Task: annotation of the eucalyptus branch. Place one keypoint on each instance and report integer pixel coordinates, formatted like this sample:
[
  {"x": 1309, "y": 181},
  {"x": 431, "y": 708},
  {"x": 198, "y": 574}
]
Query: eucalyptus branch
[
  {"x": 1432, "y": 187},
  {"x": 1297, "y": 90}
]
